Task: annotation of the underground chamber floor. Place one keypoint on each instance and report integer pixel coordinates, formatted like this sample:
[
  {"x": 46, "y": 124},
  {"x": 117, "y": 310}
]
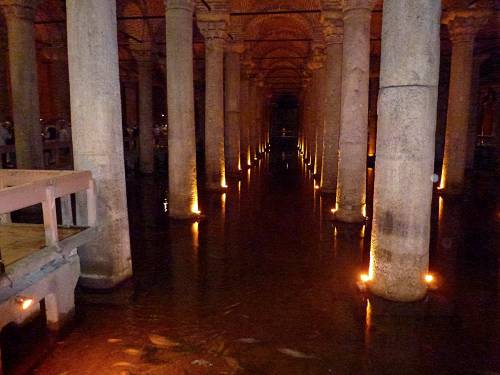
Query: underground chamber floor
[{"x": 266, "y": 284}]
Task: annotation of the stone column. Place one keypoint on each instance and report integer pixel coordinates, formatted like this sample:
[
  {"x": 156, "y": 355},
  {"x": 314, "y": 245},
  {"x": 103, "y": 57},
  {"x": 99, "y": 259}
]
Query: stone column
[
  {"x": 316, "y": 65},
  {"x": 4, "y": 85},
  {"x": 142, "y": 54},
  {"x": 463, "y": 26},
  {"x": 59, "y": 81},
  {"x": 246, "y": 159},
  {"x": 407, "y": 108},
  {"x": 333, "y": 30},
  {"x": 351, "y": 183},
  {"x": 215, "y": 34},
  {"x": 259, "y": 105},
  {"x": 97, "y": 137},
  {"x": 182, "y": 183},
  {"x": 252, "y": 103},
  {"x": 475, "y": 107},
  {"x": 20, "y": 15},
  {"x": 233, "y": 128},
  {"x": 307, "y": 119}
]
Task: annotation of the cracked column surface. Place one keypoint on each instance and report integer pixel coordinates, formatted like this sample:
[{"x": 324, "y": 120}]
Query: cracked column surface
[
  {"x": 142, "y": 54},
  {"x": 97, "y": 137},
  {"x": 20, "y": 17},
  {"x": 182, "y": 183},
  {"x": 351, "y": 183},
  {"x": 215, "y": 35},
  {"x": 407, "y": 108},
  {"x": 463, "y": 26},
  {"x": 333, "y": 81},
  {"x": 233, "y": 126}
]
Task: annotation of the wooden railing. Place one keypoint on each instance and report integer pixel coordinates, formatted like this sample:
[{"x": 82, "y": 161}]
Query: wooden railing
[{"x": 24, "y": 188}]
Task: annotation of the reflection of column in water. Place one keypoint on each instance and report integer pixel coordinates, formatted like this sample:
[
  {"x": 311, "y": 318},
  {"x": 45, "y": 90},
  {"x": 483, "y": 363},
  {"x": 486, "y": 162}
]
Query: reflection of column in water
[
  {"x": 449, "y": 240},
  {"x": 392, "y": 338}
]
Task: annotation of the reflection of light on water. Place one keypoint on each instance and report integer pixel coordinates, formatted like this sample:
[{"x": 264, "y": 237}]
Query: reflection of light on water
[
  {"x": 165, "y": 205},
  {"x": 363, "y": 231},
  {"x": 195, "y": 233},
  {"x": 440, "y": 209},
  {"x": 223, "y": 203},
  {"x": 368, "y": 321}
]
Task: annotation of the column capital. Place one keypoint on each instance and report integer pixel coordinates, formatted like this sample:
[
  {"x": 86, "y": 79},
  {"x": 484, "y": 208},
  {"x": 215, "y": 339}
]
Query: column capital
[
  {"x": 213, "y": 26},
  {"x": 463, "y": 24},
  {"x": 180, "y": 4},
  {"x": 357, "y": 4},
  {"x": 141, "y": 52},
  {"x": 317, "y": 59},
  {"x": 333, "y": 27},
  {"x": 23, "y": 9}
]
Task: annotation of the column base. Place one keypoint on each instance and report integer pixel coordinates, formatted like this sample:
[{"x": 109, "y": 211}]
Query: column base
[
  {"x": 397, "y": 293},
  {"x": 215, "y": 189},
  {"x": 349, "y": 216},
  {"x": 103, "y": 281},
  {"x": 327, "y": 191},
  {"x": 237, "y": 175}
]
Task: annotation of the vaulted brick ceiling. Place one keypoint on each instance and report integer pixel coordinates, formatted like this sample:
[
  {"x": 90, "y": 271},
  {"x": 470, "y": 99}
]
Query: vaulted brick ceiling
[{"x": 278, "y": 33}]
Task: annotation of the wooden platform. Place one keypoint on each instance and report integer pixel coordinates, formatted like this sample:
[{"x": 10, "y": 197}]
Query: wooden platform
[{"x": 18, "y": 241}]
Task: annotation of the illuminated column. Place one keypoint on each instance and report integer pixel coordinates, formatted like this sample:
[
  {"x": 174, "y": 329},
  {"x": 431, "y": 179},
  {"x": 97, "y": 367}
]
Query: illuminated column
[
  {"x": 252, "y": 103},
  {"x": 407, "y": 108},
  {"x": 215, "y": 35},
  {"x": 19, "y": 16},
  {"x": 233, "y": 128},
  {"x": 307, "y": 119},
  {"x": 182, "y": 188},
  {"x": 351, "y": 183},
  {"x": 333, "y": 81},
  {"x": 463, "y": 26},
  {"x": 316, "y": 65},
  {"x": 97, "y": 137},
  {"x": 246, "y": 159},
  {"x": 259, "y": 102},
  {"x": 142, "y": 54}
]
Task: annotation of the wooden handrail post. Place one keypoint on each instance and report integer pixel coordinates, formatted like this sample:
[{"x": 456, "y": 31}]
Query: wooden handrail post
[{"x": 50, "y": 217}]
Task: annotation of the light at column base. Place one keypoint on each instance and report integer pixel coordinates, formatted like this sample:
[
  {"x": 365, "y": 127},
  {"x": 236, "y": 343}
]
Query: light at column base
[
  {"x": 24, "y": 302},
  {"x": 429, "y": 278}
]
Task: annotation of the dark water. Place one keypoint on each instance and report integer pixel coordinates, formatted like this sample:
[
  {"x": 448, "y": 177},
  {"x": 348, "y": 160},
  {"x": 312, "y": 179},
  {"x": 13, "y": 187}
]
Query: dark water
[{"x": 267, "y": 285}]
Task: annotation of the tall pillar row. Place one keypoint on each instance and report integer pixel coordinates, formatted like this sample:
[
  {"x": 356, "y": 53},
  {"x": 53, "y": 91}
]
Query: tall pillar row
[
  {"x": 143, "y": 57},
  {"x": 351, "y": 183},
  {"x": 182, "y": 181},
  {"x": 308, "y": 120},
  {"x": 463, "y": 25},
  {"x": 233, "y": 129},
  {"x": 333, "y": 33},
  {"x": 407, "y": 108},
  {"x": 20, "y": 17},
  {"x": 97, "y": 137},
  {"x": 214, "y": 31}
]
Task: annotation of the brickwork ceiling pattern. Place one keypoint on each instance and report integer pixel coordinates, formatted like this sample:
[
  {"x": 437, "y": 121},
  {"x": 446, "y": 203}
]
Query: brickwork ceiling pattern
[{"x": 279, "y": 35}]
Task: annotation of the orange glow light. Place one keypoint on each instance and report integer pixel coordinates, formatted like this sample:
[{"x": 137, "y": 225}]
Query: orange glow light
[
  {"x": 24, "y": 302},
  {"x": 429, "y": 278},
  {"x": 364, "y": 277}
]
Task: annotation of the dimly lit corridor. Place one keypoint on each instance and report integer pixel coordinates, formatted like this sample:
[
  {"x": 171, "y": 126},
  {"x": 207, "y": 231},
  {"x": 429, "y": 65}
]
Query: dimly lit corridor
[{"x": 266, "y": 285}]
